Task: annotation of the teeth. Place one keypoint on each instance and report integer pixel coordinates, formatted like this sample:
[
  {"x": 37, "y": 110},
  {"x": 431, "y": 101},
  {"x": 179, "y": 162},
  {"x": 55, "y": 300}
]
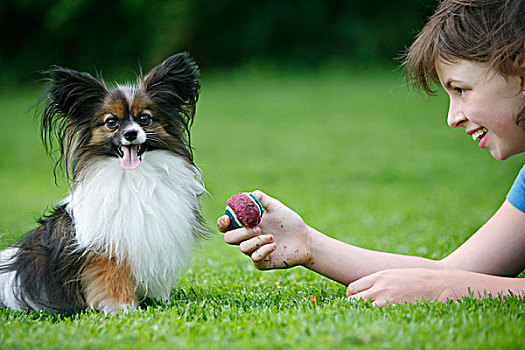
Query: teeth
[{"x": 478, "y": 133}]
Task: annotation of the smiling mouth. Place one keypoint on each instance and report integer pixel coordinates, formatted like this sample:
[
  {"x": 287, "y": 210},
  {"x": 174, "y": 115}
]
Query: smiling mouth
[
  {"x": 131, "y": 155},
  {"x": 478, "y": 135}
]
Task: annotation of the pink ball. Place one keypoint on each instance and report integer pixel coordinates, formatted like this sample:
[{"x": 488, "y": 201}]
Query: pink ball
[{"x": 244, "y": 209}]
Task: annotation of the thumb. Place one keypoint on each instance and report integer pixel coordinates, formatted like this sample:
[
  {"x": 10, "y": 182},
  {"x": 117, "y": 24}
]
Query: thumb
[{"x": 268, "y": 203}]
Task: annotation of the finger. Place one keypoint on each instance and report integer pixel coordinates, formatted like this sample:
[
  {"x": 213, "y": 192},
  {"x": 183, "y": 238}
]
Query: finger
[
  {"x": 381, "y": 302},
  {"x": 250, "y": 245},
  {"x": 364, "y": 295},
  {"x": 267, "y": 202},
  {"x": 261, "y": 253},
  {"x": 241, "y": 234},
  {"x": 360, "y": 285},
  {"x": 223, "y": 223}
]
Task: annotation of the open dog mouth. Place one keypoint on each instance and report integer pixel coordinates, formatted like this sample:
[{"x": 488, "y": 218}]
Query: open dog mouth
[{"x": 131, "y": 155}]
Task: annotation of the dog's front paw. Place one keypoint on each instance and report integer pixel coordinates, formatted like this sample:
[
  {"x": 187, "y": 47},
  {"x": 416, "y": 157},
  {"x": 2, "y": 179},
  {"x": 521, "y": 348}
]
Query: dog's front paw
[
  {"x": 110, "y": 307},
  {"x": 108, "y": 285}
]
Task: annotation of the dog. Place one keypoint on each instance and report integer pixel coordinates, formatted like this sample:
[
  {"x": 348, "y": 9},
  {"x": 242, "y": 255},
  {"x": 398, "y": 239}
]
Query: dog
[{"x": 133, "y": 214}]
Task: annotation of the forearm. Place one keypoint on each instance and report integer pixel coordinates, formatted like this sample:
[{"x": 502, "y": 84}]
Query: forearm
[
  {"x": 461, "y": 283},
  {"x": 346, "y": 263},
  {"x": 409, "y": 285}
]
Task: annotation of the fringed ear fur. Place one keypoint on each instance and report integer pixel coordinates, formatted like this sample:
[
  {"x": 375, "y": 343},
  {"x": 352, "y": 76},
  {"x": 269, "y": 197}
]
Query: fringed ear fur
[
  {"x": 75, "y": 94},
  {"x": 174, "y": 87},
  {"x": 174, "y": 84},
  {"x": 68, "y": 107}
]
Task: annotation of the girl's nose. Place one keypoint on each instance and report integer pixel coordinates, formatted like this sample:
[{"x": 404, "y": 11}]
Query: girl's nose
[{"x": 455, "y": 115}]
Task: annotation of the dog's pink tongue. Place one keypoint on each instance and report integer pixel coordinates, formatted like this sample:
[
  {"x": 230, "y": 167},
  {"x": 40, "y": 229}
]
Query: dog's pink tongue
[{"x": 130, "y": 159}]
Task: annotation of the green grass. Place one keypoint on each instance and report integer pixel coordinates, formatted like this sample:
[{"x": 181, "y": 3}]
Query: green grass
[{"x": 356, "y": 154}]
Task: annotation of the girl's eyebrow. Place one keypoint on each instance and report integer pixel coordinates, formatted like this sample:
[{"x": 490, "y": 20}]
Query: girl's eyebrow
[{"x": 451, "y": 81}]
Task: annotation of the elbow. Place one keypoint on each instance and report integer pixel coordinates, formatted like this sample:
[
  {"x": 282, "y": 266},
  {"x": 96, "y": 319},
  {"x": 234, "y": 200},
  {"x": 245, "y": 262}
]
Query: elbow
[{"x": 443, "y": 264}]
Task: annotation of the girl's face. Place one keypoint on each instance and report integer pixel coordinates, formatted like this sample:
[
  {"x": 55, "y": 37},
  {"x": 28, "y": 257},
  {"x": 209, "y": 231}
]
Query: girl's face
[{"x": 485, "y": 104}]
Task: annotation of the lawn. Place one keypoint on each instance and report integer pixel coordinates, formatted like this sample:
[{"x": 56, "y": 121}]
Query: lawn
[{"x": 355, "y": 153}]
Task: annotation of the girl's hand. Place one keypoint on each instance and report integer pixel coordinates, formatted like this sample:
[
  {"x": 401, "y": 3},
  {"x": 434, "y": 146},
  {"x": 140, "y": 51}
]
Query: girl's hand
[
  {"x": 280, "y": 241},
  {"x": 398, "y": 286}
]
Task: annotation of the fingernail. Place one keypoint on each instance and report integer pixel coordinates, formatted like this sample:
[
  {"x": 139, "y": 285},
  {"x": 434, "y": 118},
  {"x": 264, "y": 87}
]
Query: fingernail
[
  {"x": 257, "y": 230},
  {"x": 271, "y": 238},
  {"x": 274, "y": 245}
]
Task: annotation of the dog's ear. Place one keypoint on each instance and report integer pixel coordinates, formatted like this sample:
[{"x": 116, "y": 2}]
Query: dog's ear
[
  {"x": 73, "y": 94},
  {"x": 67, "y": 108},
  {"x": 174, "y": 82}
]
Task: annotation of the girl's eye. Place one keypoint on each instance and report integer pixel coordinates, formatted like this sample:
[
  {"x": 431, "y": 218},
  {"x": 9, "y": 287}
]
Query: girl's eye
[
  {"x": 144, "y": 120},
  {"x": 460, "y": 91},
  {"x": 112, "y": 123}
]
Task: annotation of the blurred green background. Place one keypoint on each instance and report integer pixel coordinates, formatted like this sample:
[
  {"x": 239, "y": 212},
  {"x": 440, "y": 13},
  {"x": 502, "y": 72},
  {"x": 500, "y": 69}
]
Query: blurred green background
[
  {"x": 117, "y": 36},
  {"x": 301, "y": 99}
]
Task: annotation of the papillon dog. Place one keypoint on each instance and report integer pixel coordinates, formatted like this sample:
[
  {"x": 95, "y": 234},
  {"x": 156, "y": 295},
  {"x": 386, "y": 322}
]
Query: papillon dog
[{"x": 133, "y": 213}]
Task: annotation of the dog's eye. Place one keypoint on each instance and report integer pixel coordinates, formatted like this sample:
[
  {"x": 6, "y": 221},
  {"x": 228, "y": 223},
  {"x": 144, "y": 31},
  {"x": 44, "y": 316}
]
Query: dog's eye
[
  {"x": 112, "y": 123},
  {"x": 144, "y": 120}
]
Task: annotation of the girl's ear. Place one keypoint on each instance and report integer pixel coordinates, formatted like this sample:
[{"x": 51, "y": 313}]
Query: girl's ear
[
  {"x": 73, "y": 94},
  {"x": 174, "y": 82},
  {"x": 519, "y": 63}
]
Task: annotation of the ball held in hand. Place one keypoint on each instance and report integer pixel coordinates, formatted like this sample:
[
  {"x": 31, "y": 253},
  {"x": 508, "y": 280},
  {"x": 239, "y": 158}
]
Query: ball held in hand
[{"x": 244, "y": 209}]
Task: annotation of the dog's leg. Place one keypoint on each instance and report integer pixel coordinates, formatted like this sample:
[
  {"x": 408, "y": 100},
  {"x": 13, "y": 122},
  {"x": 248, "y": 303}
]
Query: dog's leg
[
  {"x": 8, "y": 283},
  {"x": 107, "y": 285}
]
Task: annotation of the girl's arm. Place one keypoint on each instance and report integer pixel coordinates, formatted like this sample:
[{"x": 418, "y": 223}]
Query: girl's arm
[
  {"x": 497, "y": 248},
  {"x": 408, "y": 285},
  {"x": 283, "y": 240},
  {"x": 481, "y": 266}
]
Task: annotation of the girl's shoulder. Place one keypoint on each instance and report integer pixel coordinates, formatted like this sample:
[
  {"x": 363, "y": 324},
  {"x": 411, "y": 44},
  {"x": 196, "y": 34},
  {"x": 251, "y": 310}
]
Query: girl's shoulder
[{"x": 516, "y": 195}]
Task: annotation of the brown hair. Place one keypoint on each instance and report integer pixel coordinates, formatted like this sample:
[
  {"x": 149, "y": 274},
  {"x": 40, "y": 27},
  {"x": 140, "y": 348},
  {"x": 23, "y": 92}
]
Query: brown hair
[{"x": 485, "y": 31}]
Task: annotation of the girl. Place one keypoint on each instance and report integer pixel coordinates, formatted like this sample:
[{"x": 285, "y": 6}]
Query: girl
[{"x": 475, "y": 49}]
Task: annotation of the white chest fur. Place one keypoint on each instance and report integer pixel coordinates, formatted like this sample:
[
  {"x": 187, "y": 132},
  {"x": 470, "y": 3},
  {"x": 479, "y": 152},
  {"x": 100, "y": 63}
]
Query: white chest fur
[{"x": 146, "y": 216}]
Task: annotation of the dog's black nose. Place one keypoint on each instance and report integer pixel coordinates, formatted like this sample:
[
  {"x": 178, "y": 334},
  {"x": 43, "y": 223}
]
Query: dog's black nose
[{"x": 130, "y": 135}]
